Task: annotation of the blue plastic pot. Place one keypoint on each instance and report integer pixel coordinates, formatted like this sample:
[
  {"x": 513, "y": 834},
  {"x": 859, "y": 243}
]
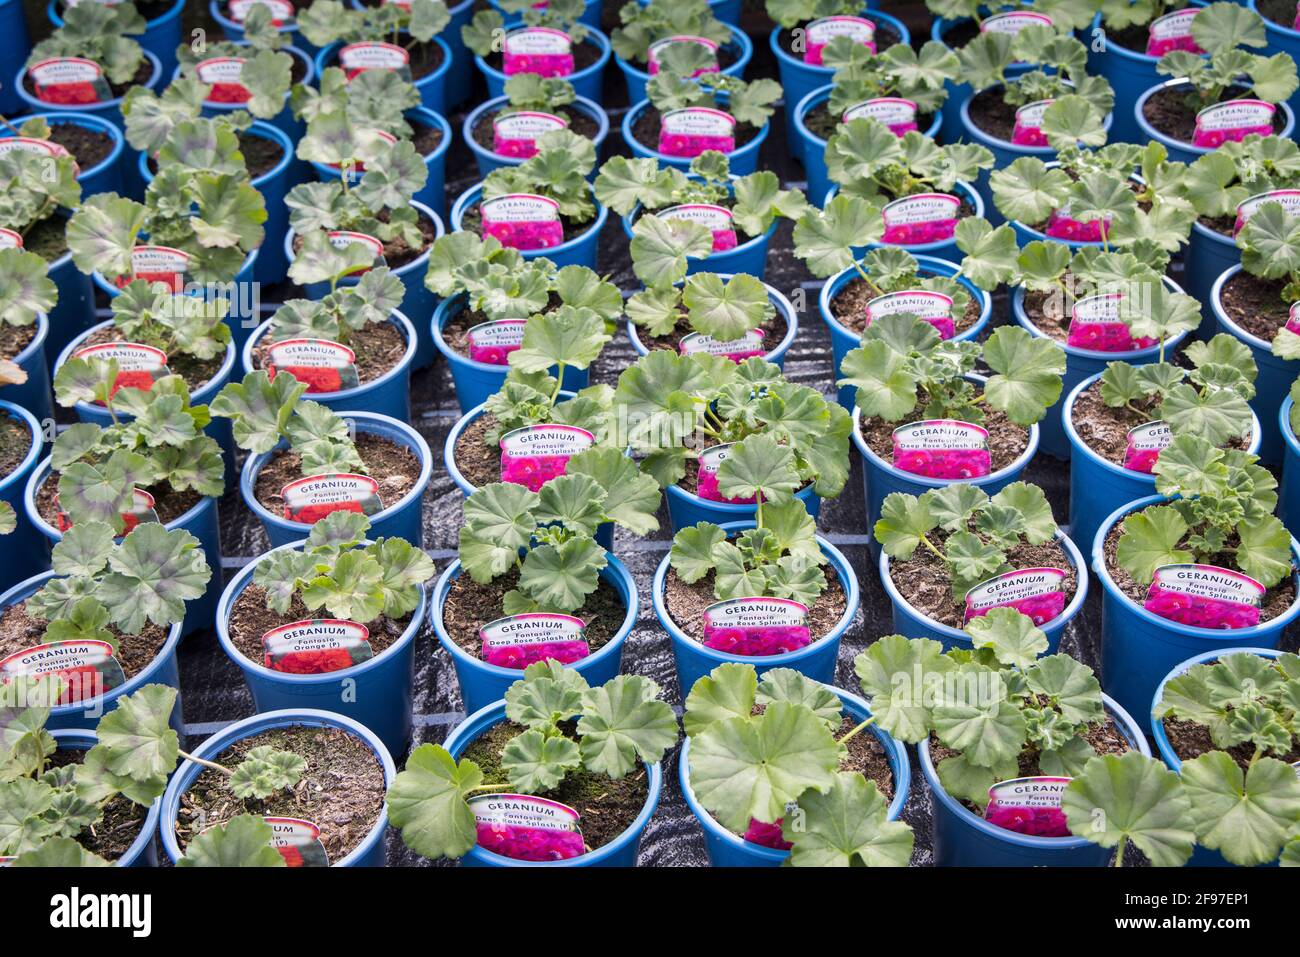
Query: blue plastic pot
[
  {"x": 1281, "y": 38},
  {"x": 459, "y": 79},
  {"x": 15, "y": 44},
  {"x": 25, "y": 548},
  {"x": 235, "y": 31},
  {"x": 1179, "y": 150},
  {"x": 202, "y": 521},
  {"x": 1082, "y": 364},
  {"x": 844, "y": 339},
  {"x": 33, "y": 395},
  {"x": 880, "y": 478},
  {"x": 106, "y": 175},
  {"x": 75, "y": 310},
  {"x": 110, "y": 110},
  {"x": 620, "y": 852},
  {"x": 747, "y": 257},
  {"x": 482, "y": 683},
  {"x": 85, "y": 715},
  {"x": 579, "y": 251},
  {"x": 432, "y": 86},
  {"x": 1288, "y": 503},
  {"x": 1138, "y": 648},
  {"x": 1207, "y": 255},
  {"x": 1099, "y": 486},
  {"x": 961, "y": 839},
  {"x": 161, "y": 37},
  {"x": 811, "y": 148},
  {"x": 488, "y": 160},
  {"x": 389, "y": 395},
  {"x": 728, "y": 849},
  {"x": 1275, "y": 375},
  {"x": 369, "y": 852},
  {"x": 694, "y": 660},
  {"x": 587, "y": 82},
  {"x": 910, "y": 623},
  {"x": 378, "y": 693},
  {"x": 743, "y": 160},
  {"x": 637, "y": 78},
  {"x": 418, "y": 301},
  {"x": 141, "y": 853},
  {"x": 939, "y": 249},
  {"x": 776, "y": 355},
  {"x": 284, "y": 121},
  {"x": 400, "y": 519},
  {"x": 476, "y": 382},
  {"x": 590, "y": 14},
  {"x": 798, "y": 79}
]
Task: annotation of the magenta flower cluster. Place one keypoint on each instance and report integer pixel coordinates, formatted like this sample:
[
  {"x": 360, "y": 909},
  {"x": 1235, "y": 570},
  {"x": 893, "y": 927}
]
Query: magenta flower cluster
[
  {"x": 492, "y": 355},
  {"x": 1038, "y": 821},
  {"x": 521, "y": 656},
  {"x": 543, "y": 64},
  {"x": 1199, "y": 611},
  {"x": 1213, "y": 139},
  {"x": 706, "y": 486},
  {"x": 943, "y": 463},
  {"x": 1105, "y": 337},
  {"x": 912, "y": 234},
  {"x": 767, "y": 835},
  {"x": 529, "y": 843},
  {"x": 692, "y": 145},
  {"x": 1040, "y": 608},
  {"x": 525, "y": 235},
  {"x": 757, "y": 642},
  {"x": 531, "y": 471},
  {"x": 1065, "y": 227}
]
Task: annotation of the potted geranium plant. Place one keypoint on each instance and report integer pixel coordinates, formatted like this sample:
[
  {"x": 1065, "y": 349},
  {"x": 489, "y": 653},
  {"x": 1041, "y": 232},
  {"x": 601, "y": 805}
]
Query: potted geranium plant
[
  {"x": 504, "y": 131},
  {"x": 550, "y": 41},
  {"x": 28, "y": 296},
  {"x": 159, "y": 34},
  {"x": 683, "y": 37},
  {"x": 561, "y": 772},
  {"x": 22, "y": 440},
  {"x": 94, "y": 143}
]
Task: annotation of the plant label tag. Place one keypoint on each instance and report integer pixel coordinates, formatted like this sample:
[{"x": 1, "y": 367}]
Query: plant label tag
[
  {"x": 942, "y": 448},
  {"x": 325, "y": 365},
  {"x": 823, "y": 31},
  {"x": 517, "y": 641},
  {"x": 1097, "y": 324},
  {"x": 1028, "y": 130},
  {"x": 138, "y": 366},
  {"x": 492, "y": 342},
  {"x": 142, "y": 511},
  {"x": 539, "y": 50},
  {"x": 158, "y": 264},
  {"x": 922, "y": 218},
  {"x": 717, "y": 219},
  {"x": 1038, "y": 593},
  {"x": 223, "y": 74},
  {"x": 298, "y": 842},
  {"x": 894, "y": 111},
  {"x": 1143, "y": 445},
  {"x": 1293, "y": 318},
  {"x": 1173, "y": 31},
  {"x": 756, "y": 627},
  {"x": 69, "y": 81},
  {"x": 315, "y": 646},
  {"x": 932, "y": 307},
  {"x": 1205, "y": 596},
  {"x": 31, "y": 144},
  {"x": 84, "y": 669},
  {"x": 523, "y": 221},
  {"x": 282, "y": 11},
  {"x": 1061, "y": 225},
  {"x": 356, "y": 58},
  {"x": 340, "y": 238},
  {"x": 10, "y": 239},
  {"x": 1029, "y": 806},
  {"x": 516, "y": 134},
  {"x": 737, "y": 350},
  {"x": 1013, "y": 21},
  {"x": 526, "y": 828},
  {"x": 691, "y": 131},
  {"x": 708, "y": 46},
  {"x": 1288, "y": 199},
  {"x": 534, "y": 454},
  {"x": 706, "y": 481},
  {"x": 1233, "y": 121},
  {"x": 310, "y": 499}
]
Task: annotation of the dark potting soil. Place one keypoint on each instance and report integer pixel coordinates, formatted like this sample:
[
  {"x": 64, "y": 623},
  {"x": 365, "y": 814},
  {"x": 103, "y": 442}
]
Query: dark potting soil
[
  {"x": 923, "y": 580},
  {"x": 169, "y": 504},
  {"x": 261, "y": 154},
  {"x": 142, "y": 74},
  {"x": 886, "y": 37},
  {"x": 479, "y": 462},
  {"x": 196, "y": 372},
  {"x": 88, "y": 147},
  {"x": 250, "y": 619},
  {"x": 646, "y": 129},
  {"x": 1281, "y": 12},
  {"x": 118, "y": 828},
  {"x": 960, "y": 34},
  {"x": 1172, "y": 111},
  {"x": 393, "y": 466},
  {"x": 341, "y": 790},
  {"x": 1006, "y": 439},
  {"x": 774, "y": 330},
  {"x": 455, "y": 331},
  {"x": 1255, "y": 304},
  {"x": 992, "y": 114},
  {"x": 584, "y": 55},
  {"x": 378, "y": 347},
  {"x": 579, "y": 122},
  {"x": 1276, "y": 600},
  {"x": 14, "y": 339},
  {"x": 866, "y": 755},
  {"x": 606, "y": 807},
  {"x": 425, "y": 139},
  {"x": 1132, "y": 37},
  {"x": 470, "y": 605},
  {"x": 1223, "y": 225},
  {"x": 1190, "y": 740},
  {"x": 397, "y": 252},
  {"x": 822, "y": 123},
  {"x": 425, "y": 57},
  {"x": 47, "y": 238},
  {"x": 19, "y": 630},
  {"x": 686, "y": 604},
  {"x": 849, "y": 306},
  {"x": 15, "y": 443},
  {"x": 149, "y": 9},
  {"x": 472, "y": 220}
]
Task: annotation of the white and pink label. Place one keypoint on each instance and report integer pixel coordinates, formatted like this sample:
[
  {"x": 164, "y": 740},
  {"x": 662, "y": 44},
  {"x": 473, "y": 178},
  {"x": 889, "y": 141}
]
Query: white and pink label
[
  {"x": 69, "y": 81},
  {"x": 823, "y": 31},
  {"x": 518, "y": 641},
  {"x": 691, "y": 131},
  {"x": 523, "y": 221},
  {"x": 1028, "y": 130},
  {"x": 659, "y": 46},
  {"x": 894, "y": 111},
  {"x": 1013, "y": 21},
  {"x": 1288, "y": 199},
  {"x": 922, "y": 218},
  {"x": 539, "y": 50},
  {"x": 1097, "y": 324},
  {"x": 1293, "y": 318},
  {"x": 224, "y": 74},
  {"x": 298, "y": 842},
  {"x": 706, "y": 479},
  {"x": 1038, "y": 593},
  {"x": 1172, "y": 32},
  {"x": 526, "y": 828},
  {"x": 737, "y": 350},
  {"x": 934, "y": 308},
  {"x": 356, "y": 58},
  {"x": 516, "y": 134},
  {"x": 10, "y": 239},
  {"x": 716, "y": 219},
  {"x": 316, "y": 646},
  {"x": 282, "y": 11},
  {"x": 138, "y": 366},
  {"x": 1029, "y": 806},
  {"x": 492, "y": 342},
  {"x": 1205, "y": 596},
  {"x": 942, "y": 448},
  {"x": 533, "y": 455},
  {"x": 1143, "y": 445},
  {"x": 83, "y": 669},
  {"x": 30, "y": 144},
  {"x": 341, "y": 238},
  {"x": 1233, "y": 122},
  {"x": 325, "y": 365},
  {"x": 142, "y": 511},
  {"x": 756, "y": 627},
  {"x": 310, "y": 499},
  {"x": 1061, "y": 225},
  {"x": 158, "y": 264}
]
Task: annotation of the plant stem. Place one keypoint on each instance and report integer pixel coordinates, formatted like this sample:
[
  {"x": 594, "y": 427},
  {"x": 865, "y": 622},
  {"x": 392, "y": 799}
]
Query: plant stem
[
  {"x": 1119, "y": 852},
  {"x": 933, "y": 548},
  {"x": 207, "y": 764},
  {"x": 857, "y": 729}
]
